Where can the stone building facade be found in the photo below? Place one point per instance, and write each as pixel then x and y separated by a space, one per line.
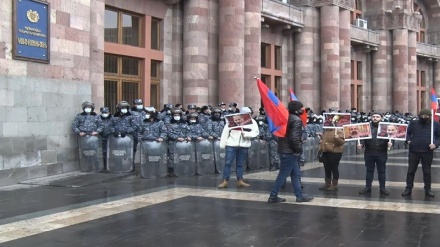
pixel 368 54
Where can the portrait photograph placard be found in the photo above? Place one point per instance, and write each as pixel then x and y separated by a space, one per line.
pixel 393 131
pixel 336 120
pixel 239 120
pixel 357 131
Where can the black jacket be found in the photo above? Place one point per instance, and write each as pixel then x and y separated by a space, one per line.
pixel 375 145
pixel 292 141
pixel 419 136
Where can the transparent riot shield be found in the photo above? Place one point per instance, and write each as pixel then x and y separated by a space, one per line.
pixel 153 159
pixel 205 157
pixel 184 159
pixel 264 154
pixel 253 159
pixel 120 154
pixel 90 153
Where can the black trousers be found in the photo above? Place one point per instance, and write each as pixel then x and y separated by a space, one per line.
pixel 331 164
pixel 413 162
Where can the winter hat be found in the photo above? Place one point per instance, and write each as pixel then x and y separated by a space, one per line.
pixel 245 110
pixel 425 112
pixel 295 107
pixel 377 113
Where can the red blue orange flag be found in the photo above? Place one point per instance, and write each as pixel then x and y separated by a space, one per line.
pixel 304 115
pixel 434 104
pixel 277 114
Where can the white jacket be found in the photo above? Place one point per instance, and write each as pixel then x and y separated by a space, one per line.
pixel 237 138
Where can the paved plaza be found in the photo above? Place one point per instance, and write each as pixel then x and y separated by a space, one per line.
pixel 125 210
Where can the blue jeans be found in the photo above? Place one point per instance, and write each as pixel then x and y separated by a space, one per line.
pixel 371 161
pixel 238 154
pixel 288 167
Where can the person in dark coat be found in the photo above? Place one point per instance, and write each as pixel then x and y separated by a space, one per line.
pixel 421 149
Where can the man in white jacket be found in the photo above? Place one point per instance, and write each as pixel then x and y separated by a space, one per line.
pixel 237 141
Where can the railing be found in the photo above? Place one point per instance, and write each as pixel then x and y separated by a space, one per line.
pixel 365 36
pixel 283 12
pixel 428 50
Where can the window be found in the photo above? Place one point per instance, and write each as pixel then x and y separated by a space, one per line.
pixel 278 58
pixel 265 55
pixel 155 34
pixel 121 80
pixel 122 28
pixel 155 84
pixel 356 84
pixel 421 90
pixel 357 12
pixel 422 31
pixel 277 90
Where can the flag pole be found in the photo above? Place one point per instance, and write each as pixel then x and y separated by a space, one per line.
pixel 432 126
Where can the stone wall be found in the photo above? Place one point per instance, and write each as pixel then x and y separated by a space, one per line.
pixel 39 101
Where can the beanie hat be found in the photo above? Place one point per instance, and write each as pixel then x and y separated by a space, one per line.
pixel 295 106
pixel 245 110
pixel 425 112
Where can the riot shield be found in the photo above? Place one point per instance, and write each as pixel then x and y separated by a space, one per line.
pixel 264 154
pixel 184 159
pixel 120 154
pixel 219 156
pixel 153 159
pixel 90 153
pixel 205 157
pixel 253 158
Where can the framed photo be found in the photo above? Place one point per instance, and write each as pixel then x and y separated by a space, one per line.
pixel 238 120
pixel 357 131
pixel 336 120
pixel 393 131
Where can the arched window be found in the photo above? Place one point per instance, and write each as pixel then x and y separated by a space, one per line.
pixel 357 12
pixel 422 31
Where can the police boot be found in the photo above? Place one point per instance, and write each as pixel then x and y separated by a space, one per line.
pixel 240 183
pixel 223 185
pixel 326 185
pixel 333 186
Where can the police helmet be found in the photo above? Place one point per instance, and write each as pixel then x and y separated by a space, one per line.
pixel 89 104
pixel 138 101
pixel 104 109
pixel 123 104
pixel 176 111
pixel 192 107
pixel 168 106
pixel 216 110
pixel 193 115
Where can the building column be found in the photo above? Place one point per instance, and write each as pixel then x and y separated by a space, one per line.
pixel 96 75
pixel 252 52
pixel 213 52
pixel 303 83
pixel 380 98
pixel 345 59
pixel 231 51
pixel 412 73
pixel 195 52
pixel 330 67
pixel 400 70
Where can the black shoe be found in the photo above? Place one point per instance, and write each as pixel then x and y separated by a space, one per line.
pixel 302 163
pixel 429 193
pixel 304 199
pixel 276 199
pixel 407 192
pixel 384 192
pixel 364 191
pixel 272 168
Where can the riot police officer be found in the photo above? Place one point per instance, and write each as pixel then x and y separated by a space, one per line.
pixel 177 132
pixel 152 129
pixel 106 119
pixel 165 113
pixel 217 122
pixel 87 122
pixel 195 129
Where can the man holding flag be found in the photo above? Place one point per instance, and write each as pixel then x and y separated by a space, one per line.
pixel 423 136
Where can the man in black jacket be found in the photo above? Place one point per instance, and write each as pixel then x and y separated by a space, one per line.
pixel 421 149
pixel 289 150
pixel 375 155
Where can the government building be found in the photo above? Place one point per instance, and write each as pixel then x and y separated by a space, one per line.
pixel 366 54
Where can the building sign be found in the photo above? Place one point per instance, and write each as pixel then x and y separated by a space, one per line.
pixel 31 30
